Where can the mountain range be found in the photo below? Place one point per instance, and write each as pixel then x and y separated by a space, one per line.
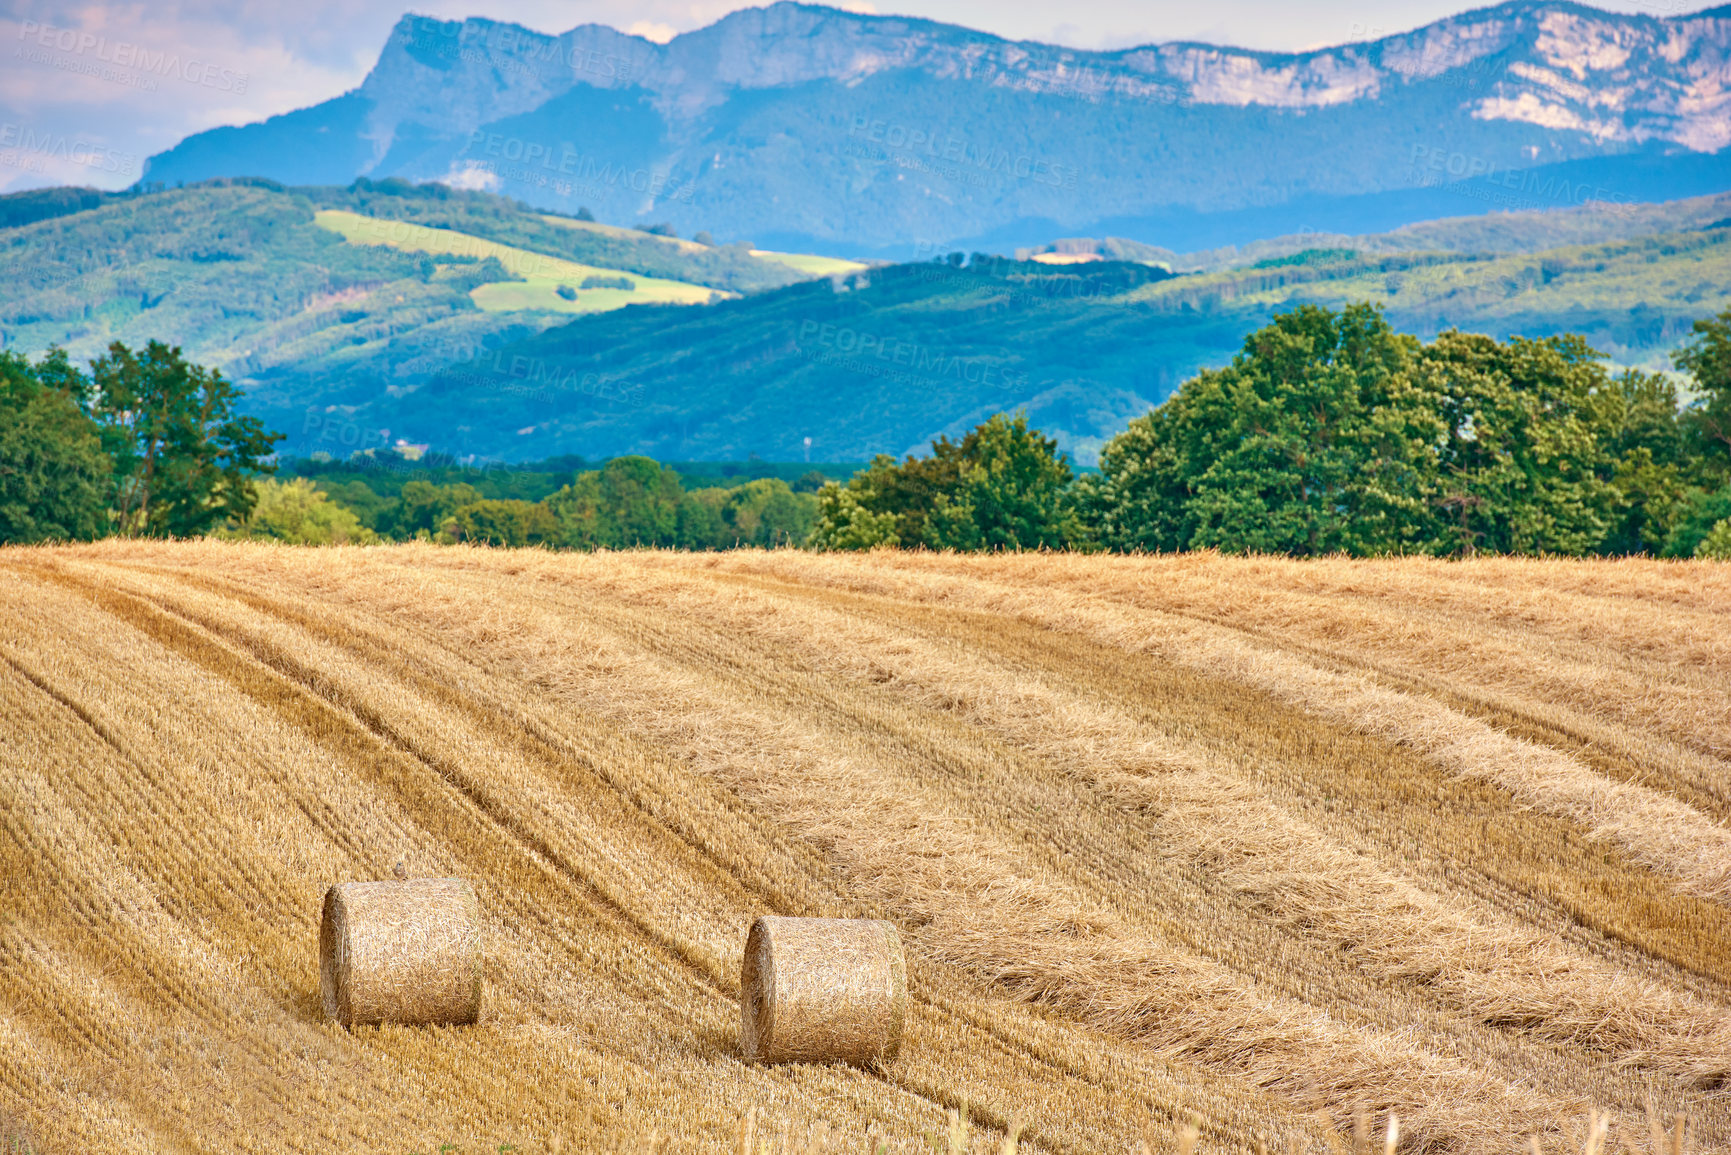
pixel 797 126
pixel 412 262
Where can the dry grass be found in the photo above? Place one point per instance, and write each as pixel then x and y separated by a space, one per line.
pixel 1253 846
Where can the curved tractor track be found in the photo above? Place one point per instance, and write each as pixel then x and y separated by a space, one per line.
pixel 1261 844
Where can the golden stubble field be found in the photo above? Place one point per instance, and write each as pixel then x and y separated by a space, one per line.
pixel 1268 842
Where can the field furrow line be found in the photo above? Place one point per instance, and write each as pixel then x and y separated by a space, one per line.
pixel 1569 999
pixel 1067 954
pixel 472 689
pixel 1667 835
pixel 1688 933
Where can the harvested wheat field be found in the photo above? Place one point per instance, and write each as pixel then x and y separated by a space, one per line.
pixel 1260 843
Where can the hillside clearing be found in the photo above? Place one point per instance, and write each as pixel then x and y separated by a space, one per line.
pixel 541 274
pixel 811 264
pixel 1269 841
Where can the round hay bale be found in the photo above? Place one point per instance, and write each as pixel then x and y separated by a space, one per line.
pixel 821 990
pixel 401 952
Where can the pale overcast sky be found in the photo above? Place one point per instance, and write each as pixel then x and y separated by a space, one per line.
pixel 263 57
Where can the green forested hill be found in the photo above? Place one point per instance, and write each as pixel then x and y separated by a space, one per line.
pixel 880 361
pixel 883 361
pixel 347 346
pixel 731 267
pixel 1633 300
pixel 1500 232
pixel 240 275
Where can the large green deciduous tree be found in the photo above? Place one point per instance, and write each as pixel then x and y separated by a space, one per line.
pixel 1003 486
pixel 1331 433
pixel 297 513
pixel 508 522
pixel 1524 464
pixel 767 512
pixel 182 458
pixel 422 509
pixel 54 477
pixel 1314 440
pixel 1645 447
pixel 1707 359
pixel 845 523
pixel 1716 546
pixel 630 501
pixel 1010 492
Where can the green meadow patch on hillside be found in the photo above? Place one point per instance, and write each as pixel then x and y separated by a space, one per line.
pixel 538 276
pixel 810 265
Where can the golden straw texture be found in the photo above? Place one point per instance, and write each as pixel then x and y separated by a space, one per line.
pixel 1250 845
pixel 401 952
pixel 821 990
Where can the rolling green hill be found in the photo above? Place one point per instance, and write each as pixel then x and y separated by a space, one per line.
pixel 455 333
pixel 241 277
pixel 244 276
pixel 731 268
pixel 1501 232
pixel 1633 300
pixel 884 360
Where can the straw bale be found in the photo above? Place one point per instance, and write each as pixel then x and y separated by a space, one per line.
pixel 822 989
pixel 401 952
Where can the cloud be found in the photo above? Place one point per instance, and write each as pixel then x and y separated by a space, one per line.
pixel 117 83
pixel 472 176
pixel 652 31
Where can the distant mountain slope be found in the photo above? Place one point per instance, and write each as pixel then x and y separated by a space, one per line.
pixel 1633 300
pixel 1503 232
pixel 884 361
pixel 796 125
pixel 241 277
pixel 240 274
pixel 734 268
pixel 541 281
pixel 347 346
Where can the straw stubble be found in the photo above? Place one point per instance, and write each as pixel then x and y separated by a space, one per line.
pixel 1133 885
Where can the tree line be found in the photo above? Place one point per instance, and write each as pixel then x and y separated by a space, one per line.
pixel 1328 433
pixel 628 502
pixel 144 443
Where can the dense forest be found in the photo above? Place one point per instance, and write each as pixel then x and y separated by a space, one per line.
pixel 1328 433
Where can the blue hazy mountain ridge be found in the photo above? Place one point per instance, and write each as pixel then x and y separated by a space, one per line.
pixel 806 127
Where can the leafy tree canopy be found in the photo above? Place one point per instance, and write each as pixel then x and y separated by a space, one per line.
pixel 297 513
pixel 1707 359
pixel 182 457
pixel 54 475
pixel 1003 486
pixel 1331 433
